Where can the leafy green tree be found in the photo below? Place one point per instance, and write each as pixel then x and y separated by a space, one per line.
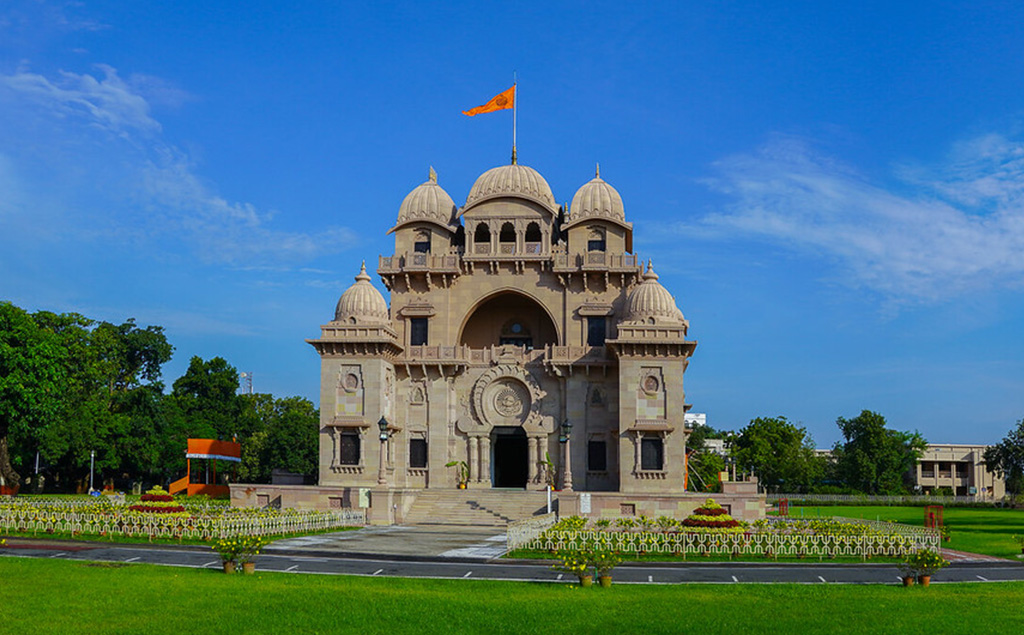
pixel 207 396
pixel 704 464
pixel 1007 459
pixel 780 453
pixel 875 459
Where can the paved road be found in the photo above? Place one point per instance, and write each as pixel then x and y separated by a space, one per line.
pixel 313 562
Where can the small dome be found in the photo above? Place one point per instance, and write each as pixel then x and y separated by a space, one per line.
pixel 362 303
pixel 597 199
pixel 428 202
pixel 651 301
pixel 512 180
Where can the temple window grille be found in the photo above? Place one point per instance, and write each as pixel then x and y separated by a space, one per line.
pixel 417 453
pixel 652 454
pixel 596 330
pixel 422 242
pixel 350 448
pixel 417 331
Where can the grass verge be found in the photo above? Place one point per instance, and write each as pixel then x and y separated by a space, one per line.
pixel 53 596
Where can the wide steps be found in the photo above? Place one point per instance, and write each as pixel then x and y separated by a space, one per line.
pixel 484 507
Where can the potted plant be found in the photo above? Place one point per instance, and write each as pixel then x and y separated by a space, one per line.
pixel 908 574
pixel 461 472
pixel 250 548
pixel 576 563
pixel 604 561
pixel 228 549
pixel 925 562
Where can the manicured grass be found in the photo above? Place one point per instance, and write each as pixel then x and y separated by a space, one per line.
pixel 974 529
pixel 54 596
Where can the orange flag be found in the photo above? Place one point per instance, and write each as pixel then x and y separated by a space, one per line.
pixel 502 101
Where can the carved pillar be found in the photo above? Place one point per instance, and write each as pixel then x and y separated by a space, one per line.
pixel 636 452
pixel 566 465
pixel 485 459
pixel 541 458
pixel 531 454
pixel 382 473
pixel 474 459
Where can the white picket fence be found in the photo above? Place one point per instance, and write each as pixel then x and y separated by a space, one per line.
pixel 783 539
pixel 211 527
pixel 522 532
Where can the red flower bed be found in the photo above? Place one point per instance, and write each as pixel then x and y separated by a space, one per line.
pixel 709 511
pixel 710 524
pixel 152 509
pixel 157 498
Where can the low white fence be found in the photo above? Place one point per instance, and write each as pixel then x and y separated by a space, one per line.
pixel 521 532
pixel 883 500
pixel 35 521
pixel 787 539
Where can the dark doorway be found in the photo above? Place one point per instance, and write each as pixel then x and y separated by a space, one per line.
pixel 510 461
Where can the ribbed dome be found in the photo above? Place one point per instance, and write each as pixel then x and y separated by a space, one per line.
pixel 362 303
pixel 651 300
pixel 428 202
pixel 512 180
pixel 597 199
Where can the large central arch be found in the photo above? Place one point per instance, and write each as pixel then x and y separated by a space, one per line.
pixel 509 316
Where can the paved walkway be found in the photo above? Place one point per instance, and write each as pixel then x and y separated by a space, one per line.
pixel 416 541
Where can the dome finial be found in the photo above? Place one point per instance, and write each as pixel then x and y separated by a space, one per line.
pixel 362 273
pixel 433 175
pixel 650 275
pixel 514 155
pixel 597 171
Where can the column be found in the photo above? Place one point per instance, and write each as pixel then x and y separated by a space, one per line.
pixel 474 459
pixel 531 453
pixel 566 465
pixel 541 459
pixel 382 473
pixel 485 459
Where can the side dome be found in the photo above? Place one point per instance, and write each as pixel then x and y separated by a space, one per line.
pixel 362 303
pixel 511 180
pixel 597 199
pixel 650 301
pixel 428 202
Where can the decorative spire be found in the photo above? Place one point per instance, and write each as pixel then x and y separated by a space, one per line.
pixel 513 155
pixel 433 175
pixel 650 275
pixel 597 171
pixel 363 276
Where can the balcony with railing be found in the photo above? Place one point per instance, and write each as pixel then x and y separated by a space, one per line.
pixel 417 262
pixel 508 251
pixel 595 261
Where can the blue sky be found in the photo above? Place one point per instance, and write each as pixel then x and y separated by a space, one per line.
pixel 834 192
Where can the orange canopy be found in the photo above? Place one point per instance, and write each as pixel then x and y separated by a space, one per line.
pixel 213 449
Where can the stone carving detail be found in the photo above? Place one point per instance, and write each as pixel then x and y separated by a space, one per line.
pixel 507 395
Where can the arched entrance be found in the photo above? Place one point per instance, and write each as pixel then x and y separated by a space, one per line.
pixel 510 457
pixel 509 317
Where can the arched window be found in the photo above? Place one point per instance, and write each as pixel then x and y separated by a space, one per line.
pixel 596 242
pixel 508 233
pixel 533 238
pixel 482 239
pixel 421 242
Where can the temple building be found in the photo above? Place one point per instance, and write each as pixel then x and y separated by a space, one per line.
pixel 525 345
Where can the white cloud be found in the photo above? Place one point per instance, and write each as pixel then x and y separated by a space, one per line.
pixel 960 227
pixel 95 139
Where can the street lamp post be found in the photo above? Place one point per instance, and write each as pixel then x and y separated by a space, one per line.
pixel 382 473
pixel 92 467
pixel 566 466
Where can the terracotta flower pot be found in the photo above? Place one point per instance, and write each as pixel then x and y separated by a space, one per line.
pixel 462 486
pixel 605 580
pixel 586 580
pixel 908 580
pixel 924 580
pixel 229 567
pixel 248 568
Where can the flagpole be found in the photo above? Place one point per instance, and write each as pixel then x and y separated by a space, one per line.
pixel 515 106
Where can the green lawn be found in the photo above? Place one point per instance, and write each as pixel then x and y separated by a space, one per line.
pixel 974 529
pixel 54 596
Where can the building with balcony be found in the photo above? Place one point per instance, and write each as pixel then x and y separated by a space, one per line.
pixel 958 468
pixel 523 341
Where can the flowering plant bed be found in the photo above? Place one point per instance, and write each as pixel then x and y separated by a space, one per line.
pixel 205 523
pixel 764 539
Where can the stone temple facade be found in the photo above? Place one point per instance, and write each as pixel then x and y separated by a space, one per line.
pixel 522 338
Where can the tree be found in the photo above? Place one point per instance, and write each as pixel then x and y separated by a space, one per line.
pixel 704 464
pixel 875 459
pixel 1007 459
pixel 37 371
pixel 780 453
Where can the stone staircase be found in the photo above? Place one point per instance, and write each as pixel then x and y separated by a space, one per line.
pixel 482 507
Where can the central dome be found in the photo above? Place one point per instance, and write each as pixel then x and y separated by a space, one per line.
pixel 512 180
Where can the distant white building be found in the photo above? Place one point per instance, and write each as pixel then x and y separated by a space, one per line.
pixel 694 419
pixel 959 467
